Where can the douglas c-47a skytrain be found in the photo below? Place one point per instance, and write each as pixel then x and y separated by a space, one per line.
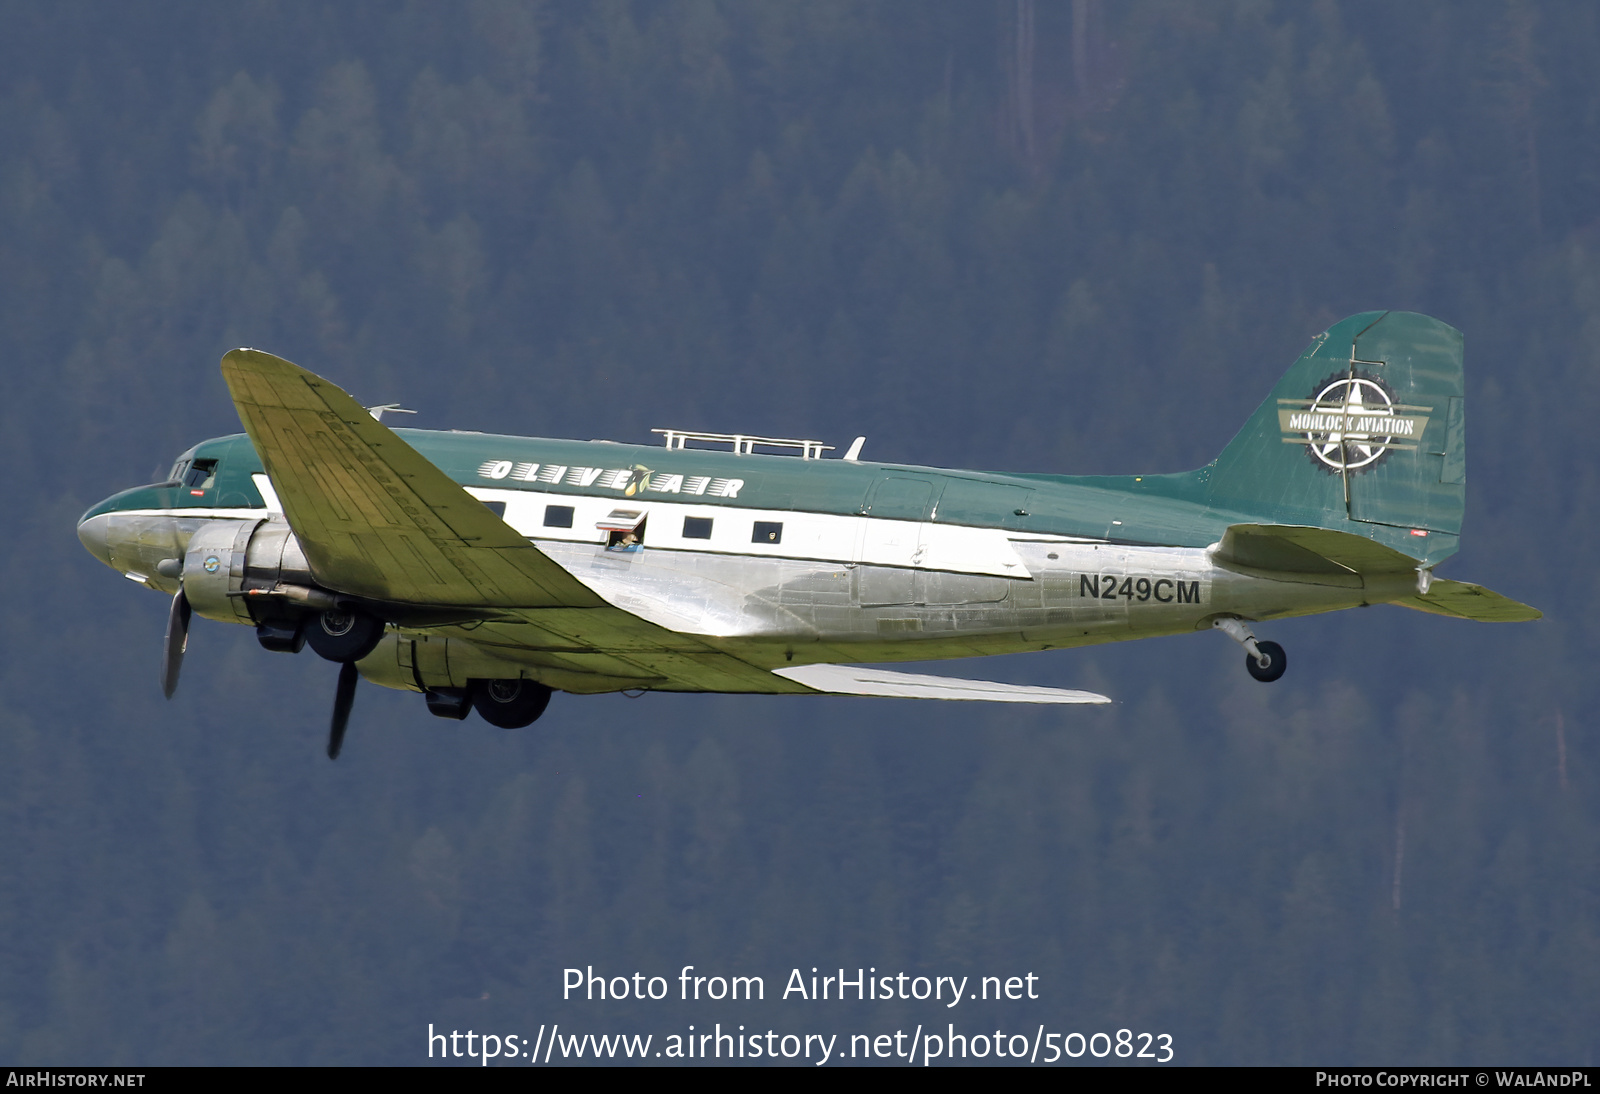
pixel 487 572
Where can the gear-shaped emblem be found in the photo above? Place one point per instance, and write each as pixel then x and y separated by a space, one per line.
pixel 1356 416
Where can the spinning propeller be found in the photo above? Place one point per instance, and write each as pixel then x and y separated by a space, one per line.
pixel 343 697
pixel 177 643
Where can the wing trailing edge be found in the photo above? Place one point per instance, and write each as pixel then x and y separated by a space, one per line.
pixel 856 680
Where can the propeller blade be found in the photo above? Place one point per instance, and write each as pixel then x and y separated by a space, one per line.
pixel 343 698
pixel 177 642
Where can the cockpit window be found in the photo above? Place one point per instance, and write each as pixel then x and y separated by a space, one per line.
pixel 177 472
pixel 201 475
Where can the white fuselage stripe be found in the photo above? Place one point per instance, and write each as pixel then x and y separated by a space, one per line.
pixel 820 537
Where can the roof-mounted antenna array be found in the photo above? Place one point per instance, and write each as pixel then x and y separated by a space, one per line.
pixel 744 443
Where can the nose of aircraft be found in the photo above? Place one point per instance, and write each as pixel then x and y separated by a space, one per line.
pixel 132 533
pixel 93 533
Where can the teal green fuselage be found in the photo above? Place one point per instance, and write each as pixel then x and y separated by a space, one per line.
pixel 1169 510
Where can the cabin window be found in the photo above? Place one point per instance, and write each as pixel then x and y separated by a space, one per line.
pixel 558 516
pixel 767 531
pixel 696 527
pixel 498 508
pixel 624 529
pixel 630 539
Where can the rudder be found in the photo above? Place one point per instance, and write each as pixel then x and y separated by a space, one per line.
pixel 1365 433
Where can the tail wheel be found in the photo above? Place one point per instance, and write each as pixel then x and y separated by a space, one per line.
pixel 1276 660
pixel 510 704
pixel 343 634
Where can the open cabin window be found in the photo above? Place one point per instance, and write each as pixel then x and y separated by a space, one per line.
pixel 624 529
pixel 767 531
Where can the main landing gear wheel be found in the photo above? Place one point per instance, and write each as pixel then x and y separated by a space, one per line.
pixel 343 634
pixel 1276 661
pixel 510 704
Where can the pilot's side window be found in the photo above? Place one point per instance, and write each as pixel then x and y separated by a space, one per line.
pixel 202 475
pixel 696 527
pixel 558 516
pixel 767 531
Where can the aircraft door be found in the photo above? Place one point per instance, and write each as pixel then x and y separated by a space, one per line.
pixel 890 545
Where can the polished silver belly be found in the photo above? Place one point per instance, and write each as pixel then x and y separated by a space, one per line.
pixel 1076 594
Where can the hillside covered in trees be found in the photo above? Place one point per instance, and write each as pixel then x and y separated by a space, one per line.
pixel 1071 237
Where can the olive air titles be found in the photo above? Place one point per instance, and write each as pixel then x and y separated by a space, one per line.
pixel 488 572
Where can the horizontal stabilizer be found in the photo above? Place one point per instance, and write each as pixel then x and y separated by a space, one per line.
pixel 855 680
pixel 1464 601
pixel 1291 548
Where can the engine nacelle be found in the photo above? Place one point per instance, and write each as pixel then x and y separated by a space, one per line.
pixel 420 662
pixel 274 555
pixel 214 566
pixel 232 566
pixel 254 572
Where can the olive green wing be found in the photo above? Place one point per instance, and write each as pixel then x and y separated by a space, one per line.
pixel 375 518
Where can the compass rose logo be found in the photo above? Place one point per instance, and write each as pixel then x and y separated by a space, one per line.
pixel 1351 423
pixel 1363 436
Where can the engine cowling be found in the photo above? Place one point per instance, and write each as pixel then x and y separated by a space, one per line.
pixel 238 571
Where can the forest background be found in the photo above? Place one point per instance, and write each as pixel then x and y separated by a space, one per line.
pixel 1077 237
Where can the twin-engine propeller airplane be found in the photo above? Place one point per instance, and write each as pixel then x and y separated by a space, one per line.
pixel 487 571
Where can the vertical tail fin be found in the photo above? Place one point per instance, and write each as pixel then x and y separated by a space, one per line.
pixel 1365 434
